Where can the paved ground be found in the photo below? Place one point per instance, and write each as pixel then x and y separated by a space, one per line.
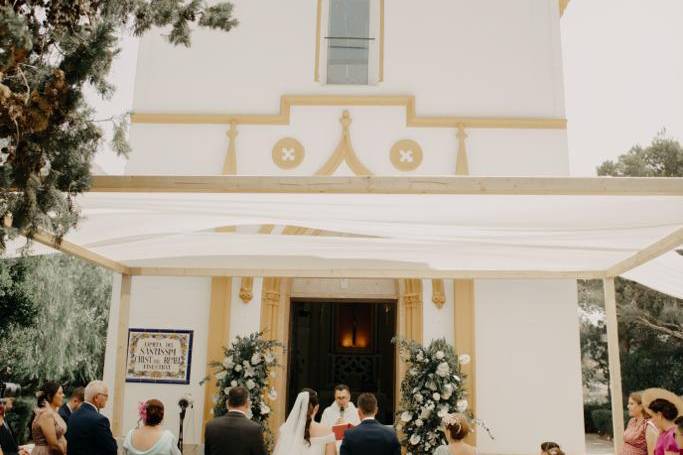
pixel 598 446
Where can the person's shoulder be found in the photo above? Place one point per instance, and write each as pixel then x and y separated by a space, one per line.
pixel 319 430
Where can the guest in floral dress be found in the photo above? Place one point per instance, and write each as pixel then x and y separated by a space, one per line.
pixel 48 428
pixel 664 407
pixel 635 439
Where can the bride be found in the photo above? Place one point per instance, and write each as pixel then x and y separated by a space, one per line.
pixel 300 434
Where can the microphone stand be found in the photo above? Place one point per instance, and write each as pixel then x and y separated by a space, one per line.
pixel 183 403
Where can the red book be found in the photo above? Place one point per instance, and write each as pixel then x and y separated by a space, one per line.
pixel 339 430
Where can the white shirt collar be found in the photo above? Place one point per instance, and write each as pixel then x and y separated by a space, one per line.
pixel 94 407
pixel 368 418
pixel 237 410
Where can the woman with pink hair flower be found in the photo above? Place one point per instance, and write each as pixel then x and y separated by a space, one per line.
pixel 149 438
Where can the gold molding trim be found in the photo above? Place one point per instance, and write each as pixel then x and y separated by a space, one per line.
pixel 412 303
pixel 438 293
pixel 412 120
pixel 563 6
pixel 247 289
pixel 381 41
pixel 461 163
pixel 464 316
pixel 318 20
pixel 218 336
pixel 230 163
pixel 292 148
pixel 344 152
pixel 406 155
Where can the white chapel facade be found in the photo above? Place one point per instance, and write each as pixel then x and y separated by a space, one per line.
pixel 367 87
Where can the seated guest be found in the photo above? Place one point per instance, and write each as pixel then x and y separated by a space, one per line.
pixel 48 428
pixel 663 407
pixel 456 428
pixel 341 410
pixel 150 438
pixel 77 397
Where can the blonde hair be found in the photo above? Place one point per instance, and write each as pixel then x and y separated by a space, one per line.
pixel 638 398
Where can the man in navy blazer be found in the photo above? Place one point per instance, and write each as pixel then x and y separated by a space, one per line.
pixel 88 431
pixel 370 437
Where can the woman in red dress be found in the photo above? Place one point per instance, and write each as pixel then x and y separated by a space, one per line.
pixel 635 442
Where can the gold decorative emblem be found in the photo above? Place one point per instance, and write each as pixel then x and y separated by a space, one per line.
pixel 288 153
pixel 406 155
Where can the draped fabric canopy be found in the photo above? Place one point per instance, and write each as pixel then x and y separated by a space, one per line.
pixel 400 234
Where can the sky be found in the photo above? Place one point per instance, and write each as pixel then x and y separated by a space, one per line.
pixel 623 66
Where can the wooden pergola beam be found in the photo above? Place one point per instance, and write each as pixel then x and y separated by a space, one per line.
pixel 76 250
pixel 647 254
pixel 540 186
pixel 366 273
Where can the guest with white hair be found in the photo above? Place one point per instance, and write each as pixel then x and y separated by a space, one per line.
pixel 89 431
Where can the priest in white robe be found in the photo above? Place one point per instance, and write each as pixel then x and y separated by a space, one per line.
pixel 341 410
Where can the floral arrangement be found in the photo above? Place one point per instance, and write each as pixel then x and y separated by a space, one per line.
pixel 249 361
pixel 142 412
pixel 432 389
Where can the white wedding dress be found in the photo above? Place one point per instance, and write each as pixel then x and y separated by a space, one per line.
pixel 291 437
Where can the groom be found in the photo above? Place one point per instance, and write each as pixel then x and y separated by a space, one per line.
pixel 370 437
pixel 234 433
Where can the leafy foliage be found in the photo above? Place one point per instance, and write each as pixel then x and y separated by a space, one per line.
pixel 662 158
pixel 17 305
pixel 432 388
pixel 51 51
pixel 67 341
pixel 249 361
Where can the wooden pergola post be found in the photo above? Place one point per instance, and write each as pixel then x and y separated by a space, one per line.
pixel 614 363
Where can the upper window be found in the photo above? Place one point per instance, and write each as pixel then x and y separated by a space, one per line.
pixel 348 42
pixel 350 48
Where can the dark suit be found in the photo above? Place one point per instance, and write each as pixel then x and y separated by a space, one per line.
pixel 88 433
pixel 370 437
pixel 233 434
pixel 64 412
pixel 7 442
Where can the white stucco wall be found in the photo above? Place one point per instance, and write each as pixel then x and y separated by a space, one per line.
pixel 168 303
pixel 528 365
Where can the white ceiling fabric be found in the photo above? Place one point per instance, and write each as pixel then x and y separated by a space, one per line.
pixel 402 231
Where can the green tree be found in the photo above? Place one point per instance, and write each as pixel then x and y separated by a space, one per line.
pixel 51 51
pixel 662 158
pixel 17 305
pixel 68 340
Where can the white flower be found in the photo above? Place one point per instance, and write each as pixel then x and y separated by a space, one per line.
pixel 249 372
pixel 426 411
pixel 457 378
pixel 420 356
pixel 406 416
pixel 221 374
pixel 443 369
pixel 427 445
pixel 419 423
pixel 250 384
pixel 461 405
pixel 439 355
pixel 415 439
pixel 245 363
pixel 238 367
pixel 447 391
pixel 227 363
pixel 419 398
pixel 270 358
pixel 264 408
pixel 227 390
pixel 436 396
pixel 442 412
pixel 464 359
pixel 413 371
pixel 431 385
pixel 256 358
pixel 233 383
pixel 272 394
